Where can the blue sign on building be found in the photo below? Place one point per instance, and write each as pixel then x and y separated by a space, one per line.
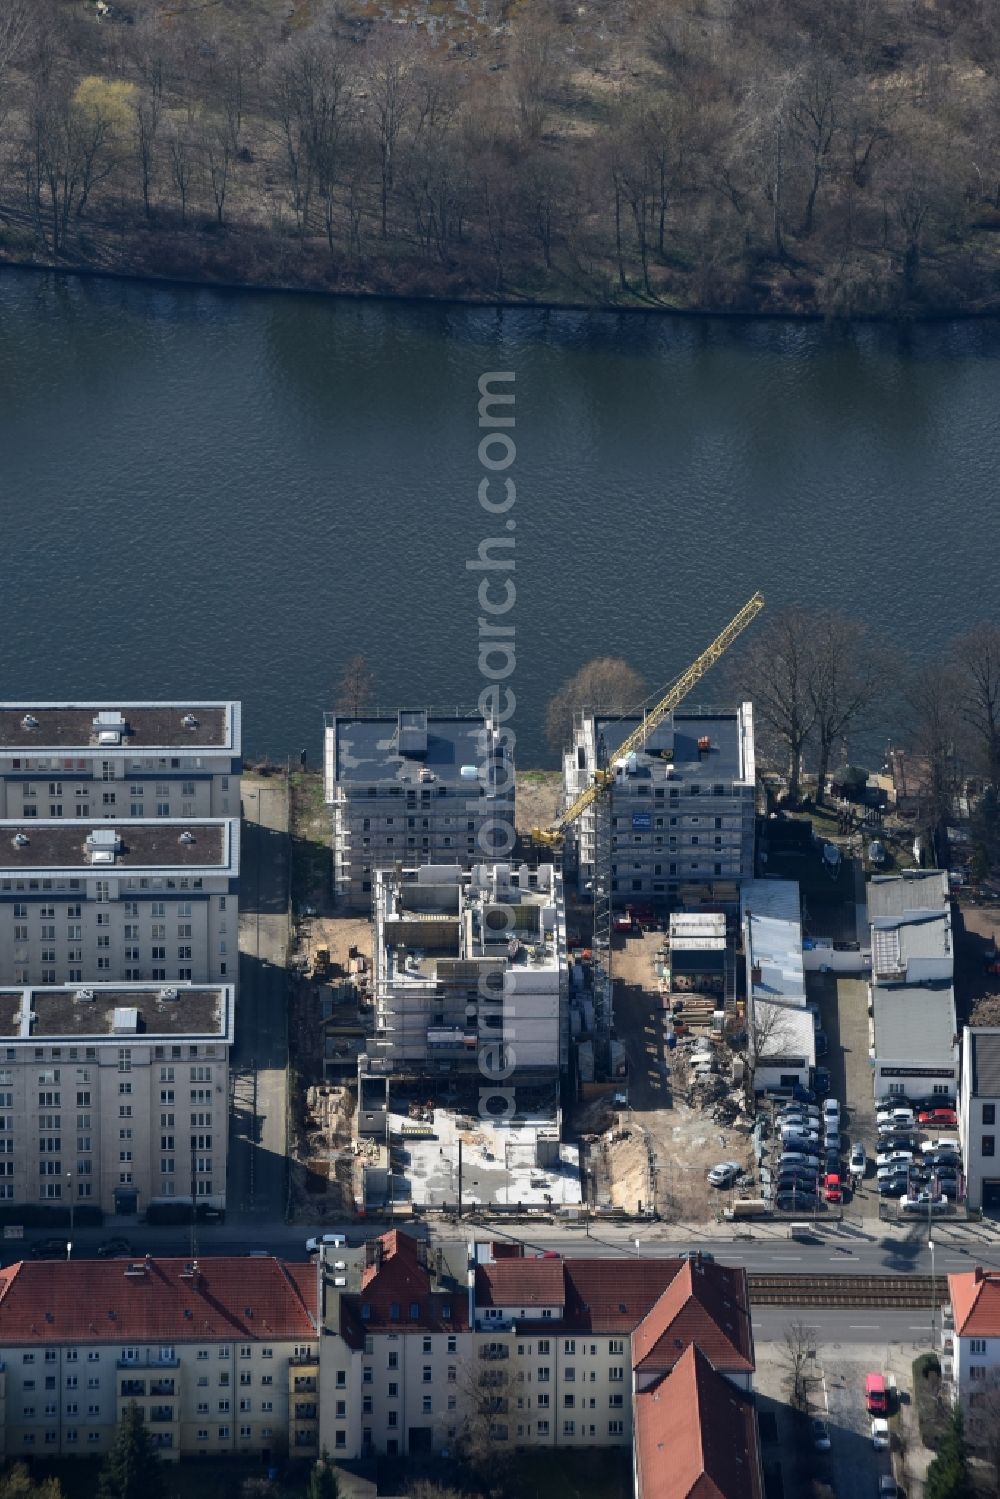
pixel 642 822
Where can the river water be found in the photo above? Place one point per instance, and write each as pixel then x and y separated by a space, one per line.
pixel 228 493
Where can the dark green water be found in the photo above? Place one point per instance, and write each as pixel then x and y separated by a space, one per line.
pixel 229 493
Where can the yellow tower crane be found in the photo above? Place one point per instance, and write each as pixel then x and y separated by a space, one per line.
pixel 553 837
pixel 598 794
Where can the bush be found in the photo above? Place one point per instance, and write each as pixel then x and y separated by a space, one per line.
pixel 932 1414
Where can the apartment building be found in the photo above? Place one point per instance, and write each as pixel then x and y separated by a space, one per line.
pixel 415 787
pixel 420 1342
pixel 150 899
pixel 978 1113
pixel 114 1096
pixel 911 993
pixel 682 808
pixel 466 961
pixel 135 760
pixel 220 1355
pixel 970 1338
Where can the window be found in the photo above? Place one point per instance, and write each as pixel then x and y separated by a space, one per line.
pixel 989 1113
pixel 977 1371
pixel 615 1428
pixel 989 1144
pixel 569 1401
pixel 977 1345
pixel 569 1428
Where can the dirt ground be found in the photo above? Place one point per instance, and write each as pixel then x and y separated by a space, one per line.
pixel 539 799
pixel 661 1146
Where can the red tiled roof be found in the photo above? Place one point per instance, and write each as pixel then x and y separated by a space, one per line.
pixel 975 1303
pixel 520 1283
pixel 95 1301
pixel 396 1278
pixel 696 1436
pixel 611 1296
pixel 706 1304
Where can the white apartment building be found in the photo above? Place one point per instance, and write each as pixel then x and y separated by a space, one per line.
pixel 781 1031
pixel 135 760
pixel 467 961
pixel 153 899
pixel 419 1341
pixel 114 1096
pixel 415 787
pixel 218 1354
pixel 970 1339
pixel 682 808
pixel 978 1114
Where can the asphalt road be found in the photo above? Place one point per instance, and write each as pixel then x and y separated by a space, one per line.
pixel 849 1326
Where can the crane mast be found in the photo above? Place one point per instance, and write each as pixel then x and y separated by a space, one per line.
pixel 598 794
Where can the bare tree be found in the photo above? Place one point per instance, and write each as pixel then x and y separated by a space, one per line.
pixel 356 688
pixel 774 668
pixel 977 664
pixel 390 88
pixel 770 1032
pixel 798 1353
pixel 147 127
pixel 607 684
pixel 182 157
pixel 844 678
pixel 532 66
pixel 932 710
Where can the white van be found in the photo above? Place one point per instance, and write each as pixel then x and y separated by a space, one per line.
pixel 313 1246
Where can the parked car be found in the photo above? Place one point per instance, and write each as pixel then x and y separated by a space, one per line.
pixel 831 1106
pixel 893 1186
pixel 897 1139
pixel 859 1161
pixel 945 1118
pixel 888 1487
pixel 313 1246
pixel 942 1158
pixel 799 1158
pixel 895 1117
pixel 880 1434
pixel 876 1395
pixel 821 1081
pixel 943 1143
pixel 833 1189
pixel 877 854
pixel 695 1254
pixel 724 1174
pixel 795 1202
pixel 821 1043
pixel 814 1012
pixel 800 1132
pixel 113 1247
pixel 48 1249
pixel 820 1435
pixel 893 1158
pixel 802 1094
pixel 923 1202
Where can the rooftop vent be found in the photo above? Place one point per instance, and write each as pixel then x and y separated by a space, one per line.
pixel 135 1269
pixel 189 721
pixel 411 731
pixel 29 721
pixel 168 994
pixel 340 1280
pixel 85 996
pixel 103 844
pixel 186 837
pixel 109 725
pixel 21 840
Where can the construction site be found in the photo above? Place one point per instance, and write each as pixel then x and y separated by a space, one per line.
pixel 482 1041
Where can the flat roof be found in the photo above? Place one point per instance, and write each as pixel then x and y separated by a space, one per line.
pixel 773 937
pixel 984 1059
pixel 681 731
pixel 498 1162
pixel 367 749
pixel 61 843
pixel 210 725
pixel 914 1020
pixel 784 1029
pixel 52 1011
pixel 911 890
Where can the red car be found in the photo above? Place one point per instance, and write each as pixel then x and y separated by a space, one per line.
pixel 834 1191
pixel 938 1116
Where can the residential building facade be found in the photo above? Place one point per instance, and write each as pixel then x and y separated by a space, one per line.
pixel 420 1345
pixel 682 808
pixel 128 902
pixel 782 1038
pixel 130 760
pixel 114 1096
pixel 415 787
pixel 219 1355
pixel 970 1345
pixel 978 1115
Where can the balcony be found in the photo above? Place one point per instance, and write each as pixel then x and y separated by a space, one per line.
pixel 304 1361
pixel 150 1360
pixel 494 1351
pixel 162 1387
pixel 161 1415
pixel 304 1385
pixel 133 1389
pixel 305 1411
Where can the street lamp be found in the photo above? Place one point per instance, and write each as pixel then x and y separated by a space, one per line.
pixel 69 1193
pixel 930 1246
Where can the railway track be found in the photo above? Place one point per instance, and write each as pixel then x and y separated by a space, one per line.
pixel 848 1290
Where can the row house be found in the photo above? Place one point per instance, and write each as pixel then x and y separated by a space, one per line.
pixel 219 1355
pixel 127 760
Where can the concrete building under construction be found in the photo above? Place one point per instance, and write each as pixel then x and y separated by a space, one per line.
pixel 414 787
pixel 464 962
pixel 682 808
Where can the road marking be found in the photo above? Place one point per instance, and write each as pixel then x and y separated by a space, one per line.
pixel 864 1326
pixel 787 1259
